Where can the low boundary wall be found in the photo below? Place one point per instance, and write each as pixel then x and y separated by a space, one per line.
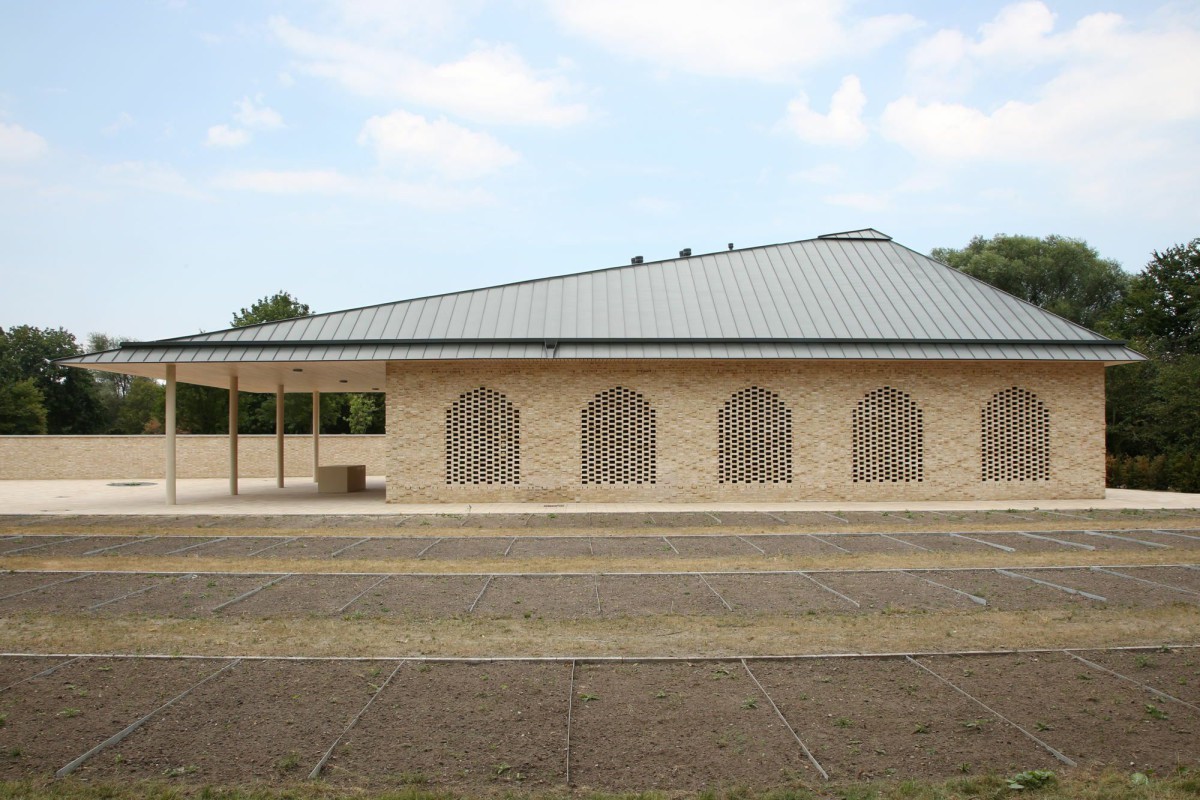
pixel 121 457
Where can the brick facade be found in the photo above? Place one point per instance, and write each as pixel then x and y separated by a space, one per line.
pixel 929 420
pixel 124 457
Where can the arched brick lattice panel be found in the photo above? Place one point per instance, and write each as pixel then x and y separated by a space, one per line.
pixel 483 439
pixel 1015 437
pixel 754 438
pixel 888 438
pixel 619 438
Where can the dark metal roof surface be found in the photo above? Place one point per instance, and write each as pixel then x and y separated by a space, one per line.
pixel 855 294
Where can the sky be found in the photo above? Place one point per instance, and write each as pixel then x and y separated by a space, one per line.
pixel 164 163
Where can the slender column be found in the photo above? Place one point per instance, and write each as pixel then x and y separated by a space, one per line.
pixel 233 434
pixel 316 433
pixel 170 437
pixel 279 437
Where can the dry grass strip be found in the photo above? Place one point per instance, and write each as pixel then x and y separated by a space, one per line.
pixel 631 637
pixel 1134 555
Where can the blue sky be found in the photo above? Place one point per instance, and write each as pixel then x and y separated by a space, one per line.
pixel 163 164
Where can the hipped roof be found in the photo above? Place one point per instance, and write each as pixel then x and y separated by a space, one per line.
pixel 851 295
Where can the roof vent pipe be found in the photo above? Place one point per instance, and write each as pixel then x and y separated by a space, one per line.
pixel 635 260
pixel 685 252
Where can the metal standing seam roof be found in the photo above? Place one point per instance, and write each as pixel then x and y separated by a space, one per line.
pixel 852 295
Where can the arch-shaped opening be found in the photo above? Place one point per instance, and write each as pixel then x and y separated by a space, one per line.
pixel 1014 437
pixel 754 438
pixel 483 439
pixel 618 439
pixel 888 438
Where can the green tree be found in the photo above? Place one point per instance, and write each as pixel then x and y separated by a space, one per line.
pixel 1064 276
pixel 279 306
pixel 1162 310
pixel 1154 407
pixel 22 410
pixel 142 408
pixel 69 396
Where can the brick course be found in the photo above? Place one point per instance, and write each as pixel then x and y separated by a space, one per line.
pixel 122 457
pixel 686 395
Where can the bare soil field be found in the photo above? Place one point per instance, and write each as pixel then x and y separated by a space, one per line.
pixel 482 726
pixel 371 654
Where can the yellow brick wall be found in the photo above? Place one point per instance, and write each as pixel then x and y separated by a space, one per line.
pixel 123 457
pixel 686 395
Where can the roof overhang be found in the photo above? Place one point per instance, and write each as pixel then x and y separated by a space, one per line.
pixel 327 366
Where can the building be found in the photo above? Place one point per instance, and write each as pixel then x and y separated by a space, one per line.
pixel 845 367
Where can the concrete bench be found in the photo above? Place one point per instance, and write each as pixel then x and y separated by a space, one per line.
pixel 341 478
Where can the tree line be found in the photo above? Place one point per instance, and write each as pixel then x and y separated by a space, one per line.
pixel 37 396
pixel 1152 408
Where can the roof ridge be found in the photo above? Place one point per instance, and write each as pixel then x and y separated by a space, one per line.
pixel 523 282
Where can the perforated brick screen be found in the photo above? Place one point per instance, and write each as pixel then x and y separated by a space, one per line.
pixel 754 438
pixel 619 438
pixel 1015 437
pixel 888 438
pixel 483 439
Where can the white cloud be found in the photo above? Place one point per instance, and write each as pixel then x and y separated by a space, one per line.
pixel 843 125
pixel 753 38
pixel 225 136
pixel 412 141
pixel 491 84
pixel 123 121
pixel 20 144
pixel 150 176
pixel 1118 95
pixel 334 183
pixel 251 114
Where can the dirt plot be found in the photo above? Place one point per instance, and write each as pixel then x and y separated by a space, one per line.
pixel 303 596
pixel 54 719
pixel 541 597
pixel 1092 717
pixel 1025 544
pixel 60 546
pixel 712 546
pixel 1182 577
pixel 260 721
pixel 14 669
pixel 14 582
pixel 13 543
pixel 893 591
pixel 160 546
pixel 795 544
pixel 946 543
pixel 481 724
pixel 79 595
pixel 552 547
pixel 1004 593
pixel 421 596
pixel 646 595
pixel 186 595
pixel 476 547
pixel 875 719
pixel 866 543
pixel 633 547
pixel 309 547
pixel 678 726
pixel 1175 672
pixel 1114 589
pixel 384 549
pixel 234 547
pixel 779 593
